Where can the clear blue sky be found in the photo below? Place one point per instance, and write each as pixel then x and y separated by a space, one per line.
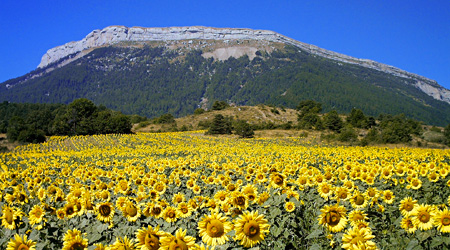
pixel 411 35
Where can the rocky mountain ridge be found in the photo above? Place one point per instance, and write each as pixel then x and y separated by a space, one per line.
pixel 115 34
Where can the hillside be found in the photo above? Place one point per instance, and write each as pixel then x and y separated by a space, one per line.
pixel 156 74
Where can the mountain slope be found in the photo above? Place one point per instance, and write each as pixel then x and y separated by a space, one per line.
pixel 175 71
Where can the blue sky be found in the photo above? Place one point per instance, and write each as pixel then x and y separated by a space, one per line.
pixel 411 35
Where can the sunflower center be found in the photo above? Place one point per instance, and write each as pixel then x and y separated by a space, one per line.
pixel 424 217
pixel 131 210
pixel 251 229
pixel 332 218
pixel 171 214
pixel 178 244
pixel 215 228
pixel 38 213
pixel 9 216
pixel 70 210
pixel 358 217
pixel 23 247
pixel 359 200
pixel 240 201
pixel 184 210
pixel 278 180
pixel 445 221
pixel 156 211
pixel 151 241
pixel 21 197
pixel 159 188
pixel 77 246
pixel 408 206
pixel 105 195
pixel 105 210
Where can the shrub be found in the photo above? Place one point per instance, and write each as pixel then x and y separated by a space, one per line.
pixel 243 129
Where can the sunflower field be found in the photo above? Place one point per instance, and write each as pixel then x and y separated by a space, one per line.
pixel 189 191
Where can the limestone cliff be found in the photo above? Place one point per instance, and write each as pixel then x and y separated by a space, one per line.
pixel 115 34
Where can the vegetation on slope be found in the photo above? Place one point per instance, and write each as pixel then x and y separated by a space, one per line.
pixel 151 81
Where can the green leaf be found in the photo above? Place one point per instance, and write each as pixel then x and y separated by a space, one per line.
pixel 94 237
pixel 437 241
pixel 315 246
pixel 422 236
pixel 276 231
pixel 412 244
pixel 275 212
pixel 315 234
pixel 446 240
pixel 102 227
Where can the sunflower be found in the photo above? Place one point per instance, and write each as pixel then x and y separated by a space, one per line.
pixel 105 211
pixel 75 243
pixel 170 214
pixel 214 228
pixel 178 198
pixel 408 224
pixel 221 197
pixel 21 243
pixel 356 216
pixel 179 241
pixel 341 193
pixel 70 210
pixel 263 197
pixel 388 196
pixel 60 213
pixel 251 228
pixel 415 183
pixel 10 216
pixel 358 238
pixel 156 211
pixel 239 200
pixel 160 187
pixel 148 238
pixel 131 211
pixel 278 180
pixel 71 234
pixel 325 190
pixel 359 200
pixel 289 206
pixel 424 217
pixel 99 246
pixel 442 220
pixel 333 217
pixel 36 215
pixel 407 206
pixel 184 210
pixel 123 243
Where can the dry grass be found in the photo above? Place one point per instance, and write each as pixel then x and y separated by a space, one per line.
pixel 5 143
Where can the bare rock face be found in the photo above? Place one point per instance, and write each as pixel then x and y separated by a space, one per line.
pixel 114 34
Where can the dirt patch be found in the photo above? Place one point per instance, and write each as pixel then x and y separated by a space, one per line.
pixel 235 51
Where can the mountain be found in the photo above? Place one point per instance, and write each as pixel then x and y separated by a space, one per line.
pixel 151 71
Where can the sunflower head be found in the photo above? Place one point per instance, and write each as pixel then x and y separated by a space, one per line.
pixel 333 217
pixel 21 243
pixel 251 228
pixel 149 238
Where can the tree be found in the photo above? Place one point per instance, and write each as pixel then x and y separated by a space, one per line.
pixel 243 129
pixel 447 134
pixel 199 111
pixel 332 121
pixel 220 125
pixel 165 119
pixel 219 105
pixel 309 106
pixel 357 118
